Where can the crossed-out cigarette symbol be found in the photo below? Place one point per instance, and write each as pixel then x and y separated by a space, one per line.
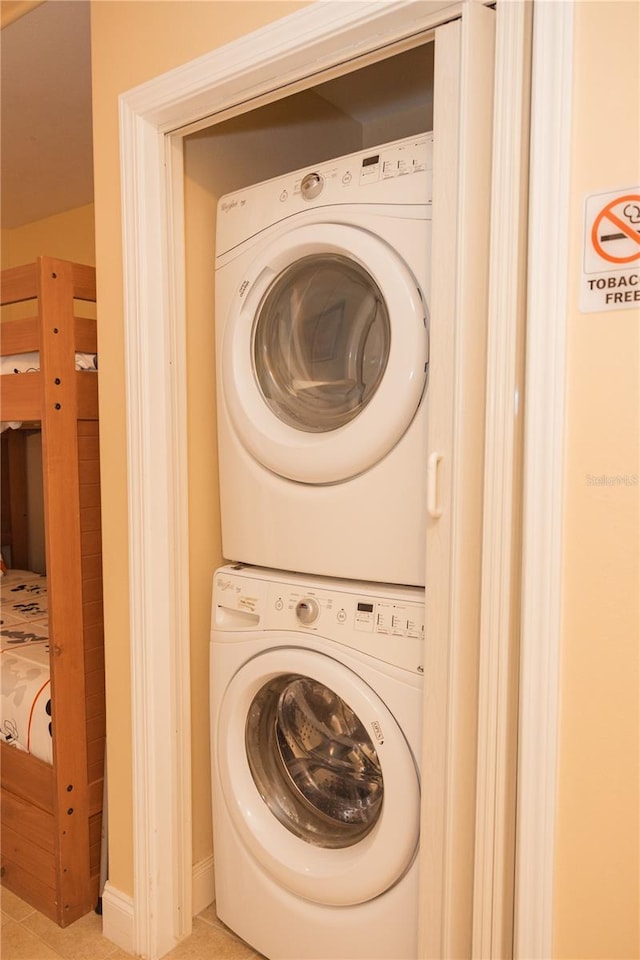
pixel 625 221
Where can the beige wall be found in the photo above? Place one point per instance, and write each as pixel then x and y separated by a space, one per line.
pixel 596 892
pixel 205 549
pixel 131 43
pixel 69 236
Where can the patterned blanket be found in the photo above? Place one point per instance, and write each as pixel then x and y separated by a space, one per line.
pixel 25 687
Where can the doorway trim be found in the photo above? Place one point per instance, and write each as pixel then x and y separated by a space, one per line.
pixel 153 119
pixel 544 464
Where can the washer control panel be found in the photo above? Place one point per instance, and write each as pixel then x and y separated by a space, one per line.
pixel 383 621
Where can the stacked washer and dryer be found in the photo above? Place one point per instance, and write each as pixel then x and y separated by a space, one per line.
pixel 322 285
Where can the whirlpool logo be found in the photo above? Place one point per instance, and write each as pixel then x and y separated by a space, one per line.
pixel 223 585
pixel 234 204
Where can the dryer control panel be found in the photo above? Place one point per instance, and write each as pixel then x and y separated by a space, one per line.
pixel 382 620
pixel 392 175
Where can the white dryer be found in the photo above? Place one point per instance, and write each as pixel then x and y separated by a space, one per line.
pixel 316 713
pixel 322 284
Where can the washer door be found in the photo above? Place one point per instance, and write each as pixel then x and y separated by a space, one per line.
pixel 325 353
pixel 318 778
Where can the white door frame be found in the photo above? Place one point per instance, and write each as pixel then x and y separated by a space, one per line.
pixel 502 511
pixel 543 470
pixel 153 118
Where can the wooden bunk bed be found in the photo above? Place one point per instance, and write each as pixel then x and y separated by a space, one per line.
pixel 51 812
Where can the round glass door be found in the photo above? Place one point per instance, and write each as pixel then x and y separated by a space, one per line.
pixel 321 342
pixel 317 777
pixel 324 353
pixel 313 762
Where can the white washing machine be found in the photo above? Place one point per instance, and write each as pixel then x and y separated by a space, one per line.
pixel 322 285
pixel 316 713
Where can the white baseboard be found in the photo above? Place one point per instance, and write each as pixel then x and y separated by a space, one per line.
pixel 117 907
pixel 202 886
pixel 117 918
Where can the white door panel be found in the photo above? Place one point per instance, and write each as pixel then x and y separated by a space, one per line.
pixel 463 105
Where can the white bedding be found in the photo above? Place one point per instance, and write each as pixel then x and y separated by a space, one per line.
pixel 30 362
pixel 25 685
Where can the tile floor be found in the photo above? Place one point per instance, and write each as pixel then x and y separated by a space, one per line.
pixel 28 935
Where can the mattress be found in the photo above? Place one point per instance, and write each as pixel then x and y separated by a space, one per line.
pixel 25 683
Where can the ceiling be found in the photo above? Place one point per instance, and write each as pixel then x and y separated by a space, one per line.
pixel 46 159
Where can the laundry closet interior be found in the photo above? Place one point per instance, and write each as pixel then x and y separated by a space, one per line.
pixel 359 107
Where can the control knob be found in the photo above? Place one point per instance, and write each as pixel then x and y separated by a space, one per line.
pixel 307 610
pixel 311 186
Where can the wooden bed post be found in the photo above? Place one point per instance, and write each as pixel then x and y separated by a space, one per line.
pixel 63 553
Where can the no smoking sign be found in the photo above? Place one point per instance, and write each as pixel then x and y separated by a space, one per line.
pixel 611 261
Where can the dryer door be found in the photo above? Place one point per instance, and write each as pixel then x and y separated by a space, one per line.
pixel 318 778
pixel 325 353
